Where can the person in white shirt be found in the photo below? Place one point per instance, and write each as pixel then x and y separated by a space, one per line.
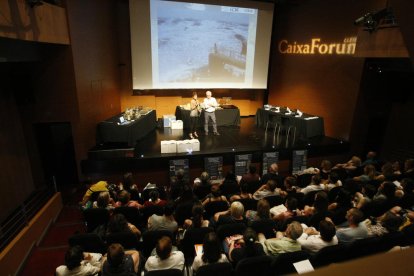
pixel 210 105
pixel 313 241
pixel 79 263
pixel 165 258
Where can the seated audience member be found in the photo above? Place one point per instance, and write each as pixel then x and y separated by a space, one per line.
pixel 356 229
pixel 104 200
pixel 212 252
pixel 124 200
pixel 408 169
pixel 407 199
pixel 319 210
pixel 164 222
pixel 233 215
pixel 128 184
pixel 120 262
pixel 333 181
pixel 385 199
pixel 325 170
pixel 165 257
pixel 289 186
pixel 272 174
pixel 177 184
pixel 371 159
pixel 80 263
pixel 202 185
pixel 244 193
pixel 387 173
pixel 118 224
pixel 341 204
pixel 268 189
pixel 215 195
pixel 312 241
pixel 245 248
pixel 263 211
pixel 229 186
pixel 315 185
pixel 100 186
pixel 283 242
pixel 389 222
pixel 251 177
pixel 197 220
pixel 155 199
pixel 291 205
pixel 369 174
pixel 396 169
pixel 351 166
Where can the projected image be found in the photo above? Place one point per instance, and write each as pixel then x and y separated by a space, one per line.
pixel 200 44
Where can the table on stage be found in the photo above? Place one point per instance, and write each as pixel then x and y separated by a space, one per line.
pixel 305 127
pixel 110 131
pixel 224 117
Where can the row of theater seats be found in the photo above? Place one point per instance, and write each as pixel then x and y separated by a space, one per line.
pixel 279 265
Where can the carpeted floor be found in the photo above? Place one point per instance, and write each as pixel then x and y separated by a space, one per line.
pixel 50 253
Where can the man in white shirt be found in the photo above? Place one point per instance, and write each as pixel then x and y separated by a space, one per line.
pixel 210 105
pixel 165 258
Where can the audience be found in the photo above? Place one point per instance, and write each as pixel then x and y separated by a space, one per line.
pixel 197 220
pixel 212 252
pixel 312 240
pixel 119 224
pixel 246 247
pixel 355 230
pixel 120 262
pixel 155 199
pixel 164 222
pixel 283 242
pixel 244 193
pixel 268 189
pixel 235 214
pixel 165 257
pixel 78 262
pixel 272 174
pixel 124 200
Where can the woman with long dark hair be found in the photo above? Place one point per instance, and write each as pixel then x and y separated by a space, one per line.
pixel 212 252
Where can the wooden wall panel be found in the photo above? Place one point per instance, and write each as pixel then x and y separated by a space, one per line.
pixel 44 23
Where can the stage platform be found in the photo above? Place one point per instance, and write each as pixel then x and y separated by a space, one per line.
pixel 247 138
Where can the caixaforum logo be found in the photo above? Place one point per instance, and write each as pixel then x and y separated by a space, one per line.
pixel 317 47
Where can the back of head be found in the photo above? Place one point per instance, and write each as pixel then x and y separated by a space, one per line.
pixel 272 184
pixel 115 254
pixel 388 189
pixel 164 247
pixel 236 209
pixel 294 230
pixel 356 161
pixel 169 209
pixel 73 257
pixel 123 197
pixel 274 168
pixel 211 248
pixel 128 180
pixel 291 203
pixel 356 216
pixel 263 209
pixel 391 221
pixel 244 187
pixel 326 165
pixel 230 176
pixel 154 195
pixel 103 199
pixel 334 177
pixel 215 190
pixel 321 201
pixel 290 181
pixel 316 179
pixel 327 230
pixel 249 237
pixel 204 177
pixel 252 169
pixel 198 212
pixel 117 223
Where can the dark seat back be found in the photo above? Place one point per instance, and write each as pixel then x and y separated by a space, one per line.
pixel 265 226
pixel 248 203
pixel 193 236
pixel 127 239
pixel 231 229
pixel 274 200
pixel 258 266
pixel 217 269
pixel 131 214
pixel 90 242
pixel 283 263
pixel 165 272
pixel 329 255
pixel 95 217
pixel 213 207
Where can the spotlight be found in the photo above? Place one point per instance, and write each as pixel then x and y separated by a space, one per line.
pixel 372 20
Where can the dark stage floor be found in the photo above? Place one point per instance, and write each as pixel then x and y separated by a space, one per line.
pixel 233 140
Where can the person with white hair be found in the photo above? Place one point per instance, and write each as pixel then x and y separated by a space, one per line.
pixel 210 105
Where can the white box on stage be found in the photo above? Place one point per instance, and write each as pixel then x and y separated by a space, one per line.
pixel 167 120
pixel 184 146
pixel 168 146
pixel 177 124
pixel 195 144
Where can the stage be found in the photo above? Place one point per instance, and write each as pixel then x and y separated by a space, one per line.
pixel 234 140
